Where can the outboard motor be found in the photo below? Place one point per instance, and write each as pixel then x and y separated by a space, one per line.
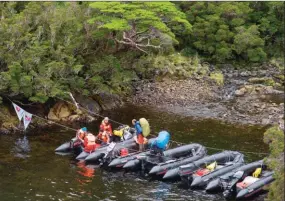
pixel 230 188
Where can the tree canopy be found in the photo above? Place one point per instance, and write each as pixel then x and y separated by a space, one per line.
pixel 140 25
pixel 50 48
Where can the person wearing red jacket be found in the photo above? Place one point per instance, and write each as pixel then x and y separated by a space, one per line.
pixel 103 137
pixel 90 143
pixel 106 126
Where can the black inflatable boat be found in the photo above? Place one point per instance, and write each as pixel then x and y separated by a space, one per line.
pixel 186 171
pixel 74 145
pixel 229 180
pixel 204 176
pixel 256 186
pixel 197 152
pixel 148 160
pixel 101 152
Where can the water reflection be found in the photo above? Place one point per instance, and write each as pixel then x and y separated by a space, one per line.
pixel 86 171
pixel 21 147
pixel 161 191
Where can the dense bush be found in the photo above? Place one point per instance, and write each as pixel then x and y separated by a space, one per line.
pixel 50 48
pixel 275 138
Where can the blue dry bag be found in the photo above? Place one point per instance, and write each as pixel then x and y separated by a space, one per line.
pixel 162 139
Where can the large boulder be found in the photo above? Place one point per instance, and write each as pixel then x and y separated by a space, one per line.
pixel 60 111
pixel 89 103
pixel 108 101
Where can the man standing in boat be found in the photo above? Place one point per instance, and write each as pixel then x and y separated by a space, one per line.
pixel 142 130
pixel 139 137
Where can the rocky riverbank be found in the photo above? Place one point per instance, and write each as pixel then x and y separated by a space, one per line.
pixel 251 97
pixel 58 111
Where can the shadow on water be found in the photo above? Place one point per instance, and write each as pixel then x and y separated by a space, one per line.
pixel 30 170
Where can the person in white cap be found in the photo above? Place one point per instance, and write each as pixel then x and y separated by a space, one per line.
pixel 107 127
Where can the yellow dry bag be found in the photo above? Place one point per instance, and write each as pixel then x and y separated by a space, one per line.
pixel 257 172
pixel 212 166
pixel 145 127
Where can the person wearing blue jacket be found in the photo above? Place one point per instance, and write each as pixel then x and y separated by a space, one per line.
pixel 139 137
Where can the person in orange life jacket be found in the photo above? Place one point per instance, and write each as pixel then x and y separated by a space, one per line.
pixel 81 134
pixel 107 127
pixel 139 138
pixel 90 143
pixel 103 137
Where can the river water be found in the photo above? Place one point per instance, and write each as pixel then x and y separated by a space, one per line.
pixel 30 170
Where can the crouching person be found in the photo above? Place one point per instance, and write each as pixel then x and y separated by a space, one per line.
pixel 160 143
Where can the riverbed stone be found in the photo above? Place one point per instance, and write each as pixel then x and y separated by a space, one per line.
pixel 240 92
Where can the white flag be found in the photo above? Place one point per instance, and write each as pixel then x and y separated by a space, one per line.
pixel 27 119
pixel 20 112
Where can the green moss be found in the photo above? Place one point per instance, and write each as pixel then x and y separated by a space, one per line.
pixel 6 119
pixel 280 77
pixel 264 80
pixel 278 62
pixel 218 77
pixel 175 66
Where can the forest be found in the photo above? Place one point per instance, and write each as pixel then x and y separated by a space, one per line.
pixel 48 48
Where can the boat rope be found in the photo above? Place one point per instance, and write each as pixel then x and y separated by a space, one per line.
pixel 171 141
pixel 96 114
pixel 67 127
pixel 121 124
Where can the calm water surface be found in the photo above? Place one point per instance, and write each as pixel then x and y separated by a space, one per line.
pixel 30 170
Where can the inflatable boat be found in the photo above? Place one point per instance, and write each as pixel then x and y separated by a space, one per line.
pixel 74 145
pixel 202 177
pixel 197 152
pixel 111 148
pixel 186 171
pixel 227 181
pixel 252 185
pixel 148 160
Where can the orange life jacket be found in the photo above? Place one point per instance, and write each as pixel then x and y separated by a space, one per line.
pixel 106 127
pixel 103 137
pixel 89 142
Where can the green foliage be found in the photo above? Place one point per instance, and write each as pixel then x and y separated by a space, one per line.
pixel 218 77
pixel 264 80
pixel 174 66
pixel 248 43
pixel 140 21
pixel 50 48
pixel 274 136
pixel 235 31
pixel 45 52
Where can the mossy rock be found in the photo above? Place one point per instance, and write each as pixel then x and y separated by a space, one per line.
pixel 218 77
pixel 7 120
pixel 264 80
pixel 249 88
pixel 280 77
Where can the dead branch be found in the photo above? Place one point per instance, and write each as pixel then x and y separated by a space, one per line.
pixel 137 42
